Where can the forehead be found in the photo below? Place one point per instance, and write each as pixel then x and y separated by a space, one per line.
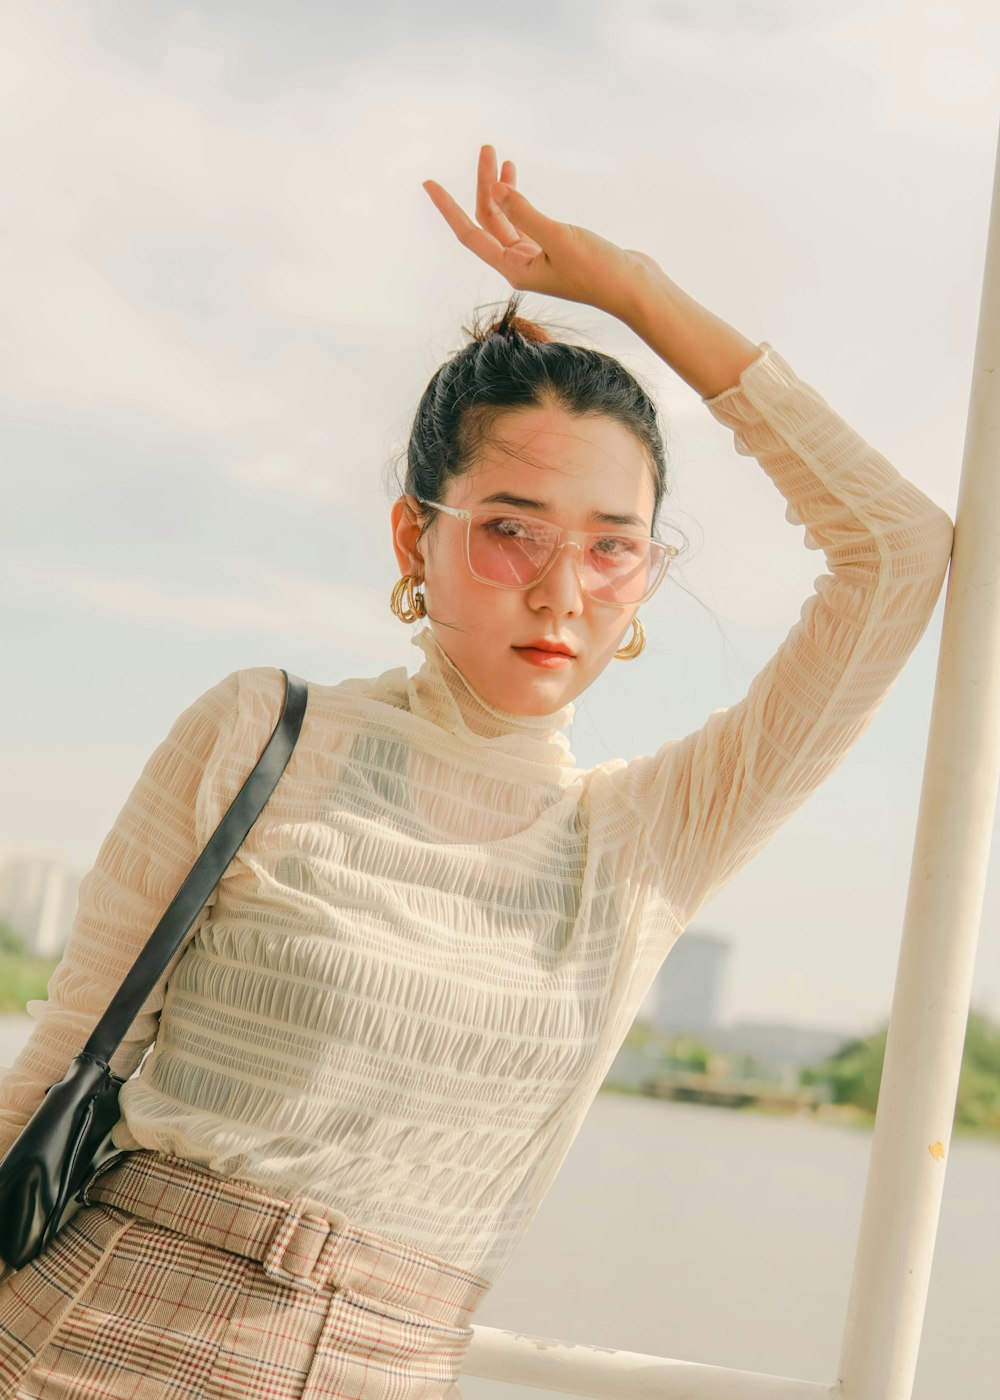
pixel 573 463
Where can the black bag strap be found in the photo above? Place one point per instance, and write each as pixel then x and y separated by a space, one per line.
pixel 203 876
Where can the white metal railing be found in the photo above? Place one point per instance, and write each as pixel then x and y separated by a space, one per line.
pixel 575 1369
pixel 930 1006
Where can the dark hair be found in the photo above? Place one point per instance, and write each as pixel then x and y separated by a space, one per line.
pixel 511 363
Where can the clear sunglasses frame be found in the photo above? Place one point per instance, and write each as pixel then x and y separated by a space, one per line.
pixel 577 537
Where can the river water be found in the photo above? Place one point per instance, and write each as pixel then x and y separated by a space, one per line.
pixel 728 1238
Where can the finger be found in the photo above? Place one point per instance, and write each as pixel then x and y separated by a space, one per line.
pixel 524 216
pixel 508 174
pixel 487 168
pixel 486 174
pixel 487 211
pixel 470 235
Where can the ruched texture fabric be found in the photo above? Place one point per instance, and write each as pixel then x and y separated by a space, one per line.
pixel 415 975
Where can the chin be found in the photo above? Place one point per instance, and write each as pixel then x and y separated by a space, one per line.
pixel 535 692
pixel 544 698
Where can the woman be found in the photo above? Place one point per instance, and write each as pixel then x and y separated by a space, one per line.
pixel 385 1030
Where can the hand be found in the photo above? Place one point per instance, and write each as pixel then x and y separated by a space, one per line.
pixel 538 254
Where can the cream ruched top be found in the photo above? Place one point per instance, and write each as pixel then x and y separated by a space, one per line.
pixel 414 977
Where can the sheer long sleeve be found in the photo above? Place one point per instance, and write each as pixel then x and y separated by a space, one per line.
pixel 140 865
pixel 709 801
pixel 415 978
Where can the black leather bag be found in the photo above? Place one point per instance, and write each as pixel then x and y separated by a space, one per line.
pixel 68 1136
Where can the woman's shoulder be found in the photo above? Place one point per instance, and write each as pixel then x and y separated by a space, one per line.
pixel 256 694
pixel 241 691
pixel 239 711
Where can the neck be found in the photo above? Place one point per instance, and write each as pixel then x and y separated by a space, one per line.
pixel 441 692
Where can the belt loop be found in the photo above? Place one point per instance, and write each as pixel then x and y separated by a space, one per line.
pixel 325 1259
pixel 301 1250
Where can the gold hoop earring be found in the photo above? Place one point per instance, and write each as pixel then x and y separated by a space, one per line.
pixel 405 603
pixel 635 644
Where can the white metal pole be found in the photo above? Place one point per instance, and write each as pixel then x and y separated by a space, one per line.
pixel 944 906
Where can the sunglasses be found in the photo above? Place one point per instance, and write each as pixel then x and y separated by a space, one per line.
pixel 515 551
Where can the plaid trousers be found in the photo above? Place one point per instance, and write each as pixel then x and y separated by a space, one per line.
pixel 174 1282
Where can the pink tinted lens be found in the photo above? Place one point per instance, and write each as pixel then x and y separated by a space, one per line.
pixel 620 568
pixel 511 551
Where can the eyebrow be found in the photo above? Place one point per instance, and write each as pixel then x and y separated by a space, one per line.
pixel 505 498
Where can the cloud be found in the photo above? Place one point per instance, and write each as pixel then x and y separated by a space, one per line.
pixel 218 267
pixel 265 273
pixel 263 600
pixel 258 272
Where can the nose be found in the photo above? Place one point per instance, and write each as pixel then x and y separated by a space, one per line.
pixel 560 586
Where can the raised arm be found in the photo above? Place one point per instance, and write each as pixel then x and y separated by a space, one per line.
pixel 709 801
pixel 706 803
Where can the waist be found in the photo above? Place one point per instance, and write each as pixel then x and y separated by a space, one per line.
pixel 301 1242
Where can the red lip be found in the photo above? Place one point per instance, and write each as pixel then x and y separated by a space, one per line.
pixel 559 647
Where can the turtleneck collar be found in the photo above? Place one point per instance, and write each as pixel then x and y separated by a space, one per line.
pixel 439 692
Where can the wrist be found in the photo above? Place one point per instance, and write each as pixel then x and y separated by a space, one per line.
pixel 704 350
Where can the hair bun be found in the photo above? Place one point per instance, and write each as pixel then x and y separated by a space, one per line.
pixel 508 323
pixel 531 330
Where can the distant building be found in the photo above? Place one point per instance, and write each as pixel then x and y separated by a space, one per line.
pixel 684 996
pixel 38 894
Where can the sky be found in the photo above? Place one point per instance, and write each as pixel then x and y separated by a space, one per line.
pixel 225 289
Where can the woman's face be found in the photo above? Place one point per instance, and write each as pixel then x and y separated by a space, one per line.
pixel 577 469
